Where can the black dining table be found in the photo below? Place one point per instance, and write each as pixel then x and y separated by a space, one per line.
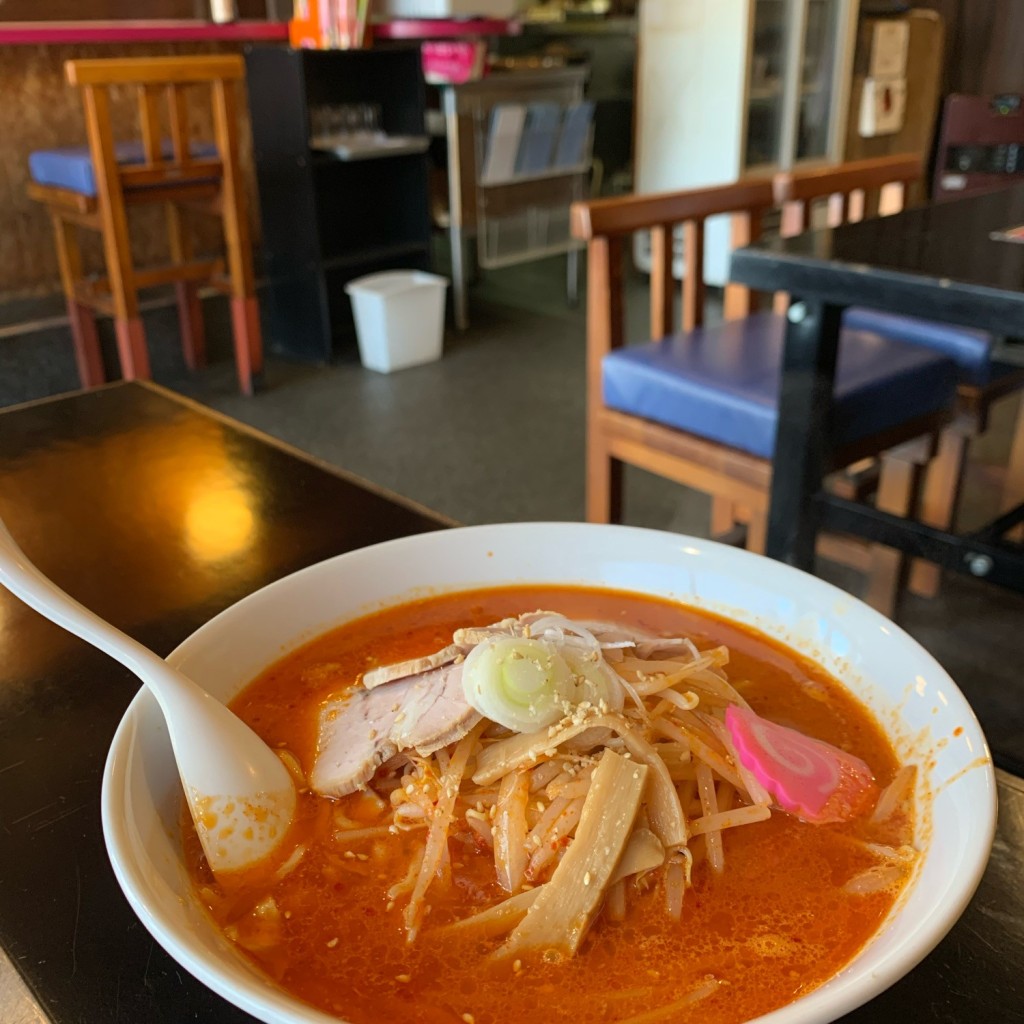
pixel 157 514
pixel 943 262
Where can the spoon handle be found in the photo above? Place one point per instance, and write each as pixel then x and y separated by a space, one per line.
pixel 22 578
pixel 241 796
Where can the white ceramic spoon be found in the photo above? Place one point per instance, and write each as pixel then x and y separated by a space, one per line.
pixel 241 796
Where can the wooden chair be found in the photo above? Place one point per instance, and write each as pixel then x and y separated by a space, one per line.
pixel 982 379
pixel 94 188
pixel 684 407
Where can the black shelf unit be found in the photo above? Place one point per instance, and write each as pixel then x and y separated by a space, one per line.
pixel 325 220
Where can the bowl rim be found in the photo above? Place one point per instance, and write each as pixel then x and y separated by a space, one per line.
pixel 832 999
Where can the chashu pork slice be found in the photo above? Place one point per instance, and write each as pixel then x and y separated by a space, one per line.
pixel 364 728
pixel 414 667
pixel 434 711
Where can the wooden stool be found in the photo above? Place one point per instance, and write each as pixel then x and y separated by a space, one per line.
pixel 93 186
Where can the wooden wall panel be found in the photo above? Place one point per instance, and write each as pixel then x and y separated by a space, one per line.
pixel 41 111
pixel 925 61
pixel 992 42
pixel 986 43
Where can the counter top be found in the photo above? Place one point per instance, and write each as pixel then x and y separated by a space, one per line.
pixel 445 28
pixel 26 33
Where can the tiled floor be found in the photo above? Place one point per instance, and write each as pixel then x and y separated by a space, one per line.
pixel 494 431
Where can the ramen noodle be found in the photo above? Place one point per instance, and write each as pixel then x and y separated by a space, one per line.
pixel 565 804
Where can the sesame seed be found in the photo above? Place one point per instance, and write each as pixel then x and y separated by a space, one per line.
pixel 403 978
pixel 391 905
pixel 349 855
pixel 586 878
pixel 362 856
pixel 333 942
pixel 469 1018
pixel 517 966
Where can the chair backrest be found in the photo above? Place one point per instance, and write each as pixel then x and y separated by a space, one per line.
pixel 605 223
pixel 854 190
pixel 155 78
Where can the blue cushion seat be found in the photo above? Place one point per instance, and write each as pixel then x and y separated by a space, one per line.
pixel 722 383
pixel 969 348
pixel 71 168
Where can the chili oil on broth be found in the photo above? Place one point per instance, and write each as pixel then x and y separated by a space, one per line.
pixel 775 925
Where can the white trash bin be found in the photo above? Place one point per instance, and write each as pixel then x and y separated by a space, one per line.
pixel 399 318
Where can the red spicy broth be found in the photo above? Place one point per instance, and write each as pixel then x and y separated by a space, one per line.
pixel 774 925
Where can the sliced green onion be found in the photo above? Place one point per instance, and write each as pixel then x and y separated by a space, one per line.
pixel 526 684
pixel 518 683
pixel 595 682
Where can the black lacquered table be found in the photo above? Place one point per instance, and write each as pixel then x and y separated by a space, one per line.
pixel 936 262
pixel 158 515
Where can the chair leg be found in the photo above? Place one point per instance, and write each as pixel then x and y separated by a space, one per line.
pixel 81 318
pixel 131 348
pixel 757 532
pixel 939 502
pixel 128 329
pixel 245 316
pixel 245 324
pixel 190 324
pixel 898 486
pixel 604 482
pixel 88 357
pixel 1013 484
pixel 186 293
pixel 723 515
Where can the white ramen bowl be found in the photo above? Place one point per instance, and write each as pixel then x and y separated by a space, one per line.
pixel 925 715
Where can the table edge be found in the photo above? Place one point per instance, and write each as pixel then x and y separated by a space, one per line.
pixel 409 504
pixel 298 453
pixel 762 269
